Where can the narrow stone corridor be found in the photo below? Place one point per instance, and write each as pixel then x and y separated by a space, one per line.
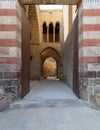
pixel 48 93
pixel 38 39
pixel 50 89
pixel 50 105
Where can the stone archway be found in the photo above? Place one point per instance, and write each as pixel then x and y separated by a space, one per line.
pixel 14 40
pixel 50 52
pixel 50 67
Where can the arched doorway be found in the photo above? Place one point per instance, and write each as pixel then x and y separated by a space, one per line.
pixel 49 56
pixel 50 67
pixel 50 29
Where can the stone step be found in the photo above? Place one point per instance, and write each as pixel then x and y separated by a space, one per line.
pixel 47 103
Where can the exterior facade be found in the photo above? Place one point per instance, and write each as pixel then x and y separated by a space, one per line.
pixel 51 36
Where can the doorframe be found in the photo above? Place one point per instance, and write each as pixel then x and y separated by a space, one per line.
pixel 76 60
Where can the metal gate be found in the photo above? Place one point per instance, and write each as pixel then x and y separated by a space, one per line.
pixel 25 75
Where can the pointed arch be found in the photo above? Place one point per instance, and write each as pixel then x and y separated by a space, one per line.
pixel 50 32
pixel 50 52
pixel 44 29
pixel 57 32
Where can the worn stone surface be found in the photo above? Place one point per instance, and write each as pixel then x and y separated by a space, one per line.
pixel 98 99
pixel 50 114
pixel 89 50
pixel 50 119
pixel 10 47
pixel 9 67
pixel 3 103
pixel 68 57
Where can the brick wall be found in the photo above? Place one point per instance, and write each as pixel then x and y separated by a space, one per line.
pixel 89 49
pixel 10 46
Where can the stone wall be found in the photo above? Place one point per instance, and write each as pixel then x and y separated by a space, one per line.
pixel 34 22
pixel 89 49
pixel 36 61
pixel 67 55
pixel 37 18
pixel 10 47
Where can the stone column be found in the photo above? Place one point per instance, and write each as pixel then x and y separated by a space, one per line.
pixel 47 33
pixel 89 49
pixel 10 47
pixel 53 33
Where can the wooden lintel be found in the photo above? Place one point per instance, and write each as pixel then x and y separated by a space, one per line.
pixel 58 2
pixel 20 2
pixel 78 3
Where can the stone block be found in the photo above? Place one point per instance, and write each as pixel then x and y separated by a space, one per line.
pixel 91 81
pixel 84 82
pixel 4 51
pixel 1 74
pixel 84 67
pixel 94 67
pixel 89 74
pixel 98 59
pixel 91 98
pixel 9 83
pixel 90 89
pixel 3 103
pixel 2 93
pixel 84 93
pixel 98 74
pixel 11 75
pixel 91 51
pixel 98 99
pixel 97 88
pixel 97 81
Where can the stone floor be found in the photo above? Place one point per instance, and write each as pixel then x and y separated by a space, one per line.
pixel 49 89
pixel 50 105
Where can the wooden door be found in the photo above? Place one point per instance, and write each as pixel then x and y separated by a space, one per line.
pixel 25 55
pixel 75 65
